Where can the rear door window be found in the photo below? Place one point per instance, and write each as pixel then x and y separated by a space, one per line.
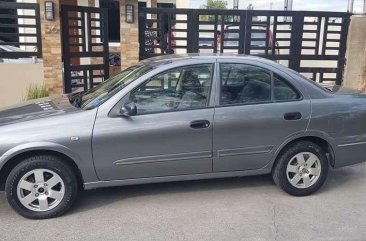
pixel 283 91
pixel 248 84
pixel 244 84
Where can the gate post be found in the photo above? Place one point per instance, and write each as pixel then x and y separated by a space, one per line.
pixel 296 41
pixel 142 23
pixel 248 31
pixel 342 50
pixel 51 49
pixel 242 31
pixel 129 35
pixel 192 32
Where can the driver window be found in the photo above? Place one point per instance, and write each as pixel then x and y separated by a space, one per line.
pixel 177 89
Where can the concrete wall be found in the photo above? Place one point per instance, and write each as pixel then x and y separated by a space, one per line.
pixel 363 73
pixel 355 71
pixel 15 79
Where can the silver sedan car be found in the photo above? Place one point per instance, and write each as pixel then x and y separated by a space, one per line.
pixel 177 118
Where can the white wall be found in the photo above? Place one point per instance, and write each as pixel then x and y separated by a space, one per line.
pixel 15 79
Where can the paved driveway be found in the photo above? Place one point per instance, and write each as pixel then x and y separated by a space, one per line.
pixel 250 208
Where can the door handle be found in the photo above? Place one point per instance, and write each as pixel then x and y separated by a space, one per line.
pixel 198 124
pixel 292 116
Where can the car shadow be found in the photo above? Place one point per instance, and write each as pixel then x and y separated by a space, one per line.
pixel 344 177
pixel 96 198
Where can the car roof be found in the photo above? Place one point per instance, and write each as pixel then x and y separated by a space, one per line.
pixel 170 58
pixel 155 62
pixel 9 48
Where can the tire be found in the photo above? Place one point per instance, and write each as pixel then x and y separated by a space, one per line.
pixel 52 197
pixel 301 169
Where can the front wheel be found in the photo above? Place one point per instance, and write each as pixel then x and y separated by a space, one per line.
pixel 41 187
pixel 301 169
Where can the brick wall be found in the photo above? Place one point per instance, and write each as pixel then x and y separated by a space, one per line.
pixel 51 48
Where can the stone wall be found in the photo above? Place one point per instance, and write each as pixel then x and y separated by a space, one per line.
pixel 129 36
pixel 51 48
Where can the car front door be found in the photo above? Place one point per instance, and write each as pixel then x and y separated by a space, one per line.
pixel 171 134
pixel 256 111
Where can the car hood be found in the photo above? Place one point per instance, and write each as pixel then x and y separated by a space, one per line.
pixel 36 110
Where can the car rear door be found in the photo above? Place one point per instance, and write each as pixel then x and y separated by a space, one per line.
pixel 171 133
pixel 257 109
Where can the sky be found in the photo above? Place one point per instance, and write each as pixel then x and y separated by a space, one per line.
pixel 302 5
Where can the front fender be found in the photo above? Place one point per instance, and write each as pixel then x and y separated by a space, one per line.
pixel 87 173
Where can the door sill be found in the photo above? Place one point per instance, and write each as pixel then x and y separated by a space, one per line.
pixel 211 175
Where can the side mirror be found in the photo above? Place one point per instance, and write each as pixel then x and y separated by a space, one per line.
pixel 128 109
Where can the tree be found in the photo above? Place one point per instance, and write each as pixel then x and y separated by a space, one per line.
pixel 250 7
pixel 215 4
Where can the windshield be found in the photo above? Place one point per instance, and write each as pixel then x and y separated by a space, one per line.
pixel 102 92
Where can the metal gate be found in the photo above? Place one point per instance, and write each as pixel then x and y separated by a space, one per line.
pixel 312 43
pixel 20 30
pixel 84 47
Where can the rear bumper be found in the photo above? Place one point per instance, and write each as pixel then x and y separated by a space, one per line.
pixel 350 154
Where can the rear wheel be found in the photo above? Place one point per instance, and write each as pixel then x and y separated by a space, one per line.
pixel 41 187
pixel 301 169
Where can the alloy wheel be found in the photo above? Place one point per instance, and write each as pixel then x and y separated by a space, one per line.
pixel 40 190
pixel 303 170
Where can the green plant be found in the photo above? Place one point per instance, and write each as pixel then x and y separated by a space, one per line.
pixel 215 4
pixel 35 92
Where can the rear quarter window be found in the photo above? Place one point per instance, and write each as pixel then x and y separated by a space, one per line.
pixel 283 91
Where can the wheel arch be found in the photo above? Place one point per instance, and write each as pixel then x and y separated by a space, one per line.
pixel 322 141
pixel 14 159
